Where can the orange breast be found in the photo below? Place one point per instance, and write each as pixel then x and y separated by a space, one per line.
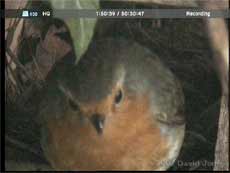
pixel 131 140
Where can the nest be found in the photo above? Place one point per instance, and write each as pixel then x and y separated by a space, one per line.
pixel 180 43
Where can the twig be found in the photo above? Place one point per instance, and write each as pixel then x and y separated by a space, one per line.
pixel 22 145
pixel 199 136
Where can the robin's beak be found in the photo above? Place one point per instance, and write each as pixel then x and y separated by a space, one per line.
pixel 98 122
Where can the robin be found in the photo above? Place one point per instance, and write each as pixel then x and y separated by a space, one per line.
pixel 119 108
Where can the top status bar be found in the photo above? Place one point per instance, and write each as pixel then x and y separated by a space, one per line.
pixel 116 13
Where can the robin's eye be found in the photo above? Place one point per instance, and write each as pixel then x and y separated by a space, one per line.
pixel 73 105
pixel 118 97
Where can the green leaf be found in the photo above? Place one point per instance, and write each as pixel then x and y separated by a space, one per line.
pixel 81 29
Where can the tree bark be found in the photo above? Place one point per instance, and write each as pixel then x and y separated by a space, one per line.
pixel 219 39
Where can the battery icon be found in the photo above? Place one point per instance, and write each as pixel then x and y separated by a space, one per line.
pixel 25 13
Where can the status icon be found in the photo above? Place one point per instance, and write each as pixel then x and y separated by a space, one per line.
pixel 25 13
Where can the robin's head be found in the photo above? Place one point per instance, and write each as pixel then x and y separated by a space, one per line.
pixel 117 108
